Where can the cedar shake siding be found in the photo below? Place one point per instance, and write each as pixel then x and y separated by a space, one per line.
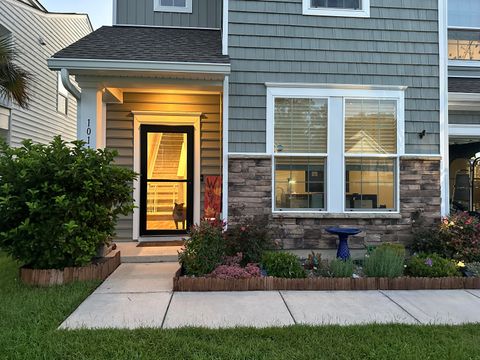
pixel 205 14
pixel 271 41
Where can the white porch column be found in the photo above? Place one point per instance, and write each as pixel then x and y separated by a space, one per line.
pixel 91 118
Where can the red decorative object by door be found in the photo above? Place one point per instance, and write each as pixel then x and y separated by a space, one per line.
pixel 213 197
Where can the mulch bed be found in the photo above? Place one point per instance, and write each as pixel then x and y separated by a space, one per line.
pixel 183 283
pixel 99 270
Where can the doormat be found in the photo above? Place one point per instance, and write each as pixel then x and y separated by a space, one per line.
pixel 160 243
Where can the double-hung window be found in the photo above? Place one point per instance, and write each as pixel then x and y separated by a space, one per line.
pixel 347 8
pixel 335 150
pixel 370 154
pixel 181 6
pixel 300 152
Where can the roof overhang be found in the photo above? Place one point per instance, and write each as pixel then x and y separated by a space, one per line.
pixel 126 67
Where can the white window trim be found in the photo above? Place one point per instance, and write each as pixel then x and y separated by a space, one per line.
pixel 335 190
pixel 175 9
pixel 364 12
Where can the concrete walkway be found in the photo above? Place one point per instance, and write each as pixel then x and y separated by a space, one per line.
pixel 140 295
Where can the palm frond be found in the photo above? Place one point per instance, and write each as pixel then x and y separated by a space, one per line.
pixel 13 79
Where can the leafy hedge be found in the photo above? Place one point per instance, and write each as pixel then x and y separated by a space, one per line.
pixel 60 202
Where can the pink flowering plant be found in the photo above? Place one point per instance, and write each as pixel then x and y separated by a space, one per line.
pixel 460 234
pixel 456 237
pixel 250 237
pixel 214 251
pixel 231 269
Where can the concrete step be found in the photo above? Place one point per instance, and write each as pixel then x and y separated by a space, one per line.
pixel 131 253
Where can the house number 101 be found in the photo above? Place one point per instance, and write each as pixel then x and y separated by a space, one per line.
pixel 89 131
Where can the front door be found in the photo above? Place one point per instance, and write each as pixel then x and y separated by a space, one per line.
pixel 166 184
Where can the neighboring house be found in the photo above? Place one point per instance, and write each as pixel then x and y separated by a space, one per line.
pixel 462 141
pixel 313 112
pixel 37 34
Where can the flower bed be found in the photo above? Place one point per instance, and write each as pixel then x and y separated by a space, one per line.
pixel 241 259
pixel 100 270
pixel 185 283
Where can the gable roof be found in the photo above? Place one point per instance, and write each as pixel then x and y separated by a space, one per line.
pixel 464 85
pixel 155 44
pixel 35 4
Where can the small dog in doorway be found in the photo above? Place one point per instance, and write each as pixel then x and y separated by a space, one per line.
pixel 180 215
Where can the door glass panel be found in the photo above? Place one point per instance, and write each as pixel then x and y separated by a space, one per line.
pixel 167 206
pixel 167 156
pixel 167 181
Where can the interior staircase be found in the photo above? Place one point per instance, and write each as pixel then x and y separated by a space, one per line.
pixel 161 196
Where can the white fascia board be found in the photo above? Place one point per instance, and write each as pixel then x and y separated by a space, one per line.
pixel 133 65
pixel 346 91
pixel 336 86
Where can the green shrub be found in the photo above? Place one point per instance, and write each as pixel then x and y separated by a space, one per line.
pixel 428 241
pixel 60 202
pixel 283 265
pixel 387 260
pixel 251 238
pixel 204 250
pixel 342 269
pixel 431 265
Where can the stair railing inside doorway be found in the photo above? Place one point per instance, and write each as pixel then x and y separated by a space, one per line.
pixel 474 161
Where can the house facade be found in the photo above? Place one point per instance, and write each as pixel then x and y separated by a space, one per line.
pixel 314 113
pixel 37 34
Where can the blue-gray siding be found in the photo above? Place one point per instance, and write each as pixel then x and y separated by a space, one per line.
pixel 271 41
pixel 205 13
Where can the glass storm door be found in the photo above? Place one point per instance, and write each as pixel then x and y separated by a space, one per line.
pixel 166 205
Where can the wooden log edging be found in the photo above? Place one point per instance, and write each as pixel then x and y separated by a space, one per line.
pixel 52 277
pixel 188 284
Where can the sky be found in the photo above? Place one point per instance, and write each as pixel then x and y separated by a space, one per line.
pixel 100 11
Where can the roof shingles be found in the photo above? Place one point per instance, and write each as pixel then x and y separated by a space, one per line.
pixel 133 43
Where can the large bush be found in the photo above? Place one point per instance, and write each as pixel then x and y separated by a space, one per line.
pixel 204 250
pixel 456 237
pixel 59 202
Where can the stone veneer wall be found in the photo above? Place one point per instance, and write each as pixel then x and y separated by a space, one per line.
pixel 250 195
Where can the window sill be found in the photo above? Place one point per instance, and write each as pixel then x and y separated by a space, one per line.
pixel 173 9
pixel 338 13
pixel 324 215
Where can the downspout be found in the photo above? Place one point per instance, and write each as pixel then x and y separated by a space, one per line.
pixel 67 83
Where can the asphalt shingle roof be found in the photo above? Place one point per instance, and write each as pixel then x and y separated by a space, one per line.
pixel 464 85
pixel 149 44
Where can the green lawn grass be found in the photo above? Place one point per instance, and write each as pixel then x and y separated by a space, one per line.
pixel 29 318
